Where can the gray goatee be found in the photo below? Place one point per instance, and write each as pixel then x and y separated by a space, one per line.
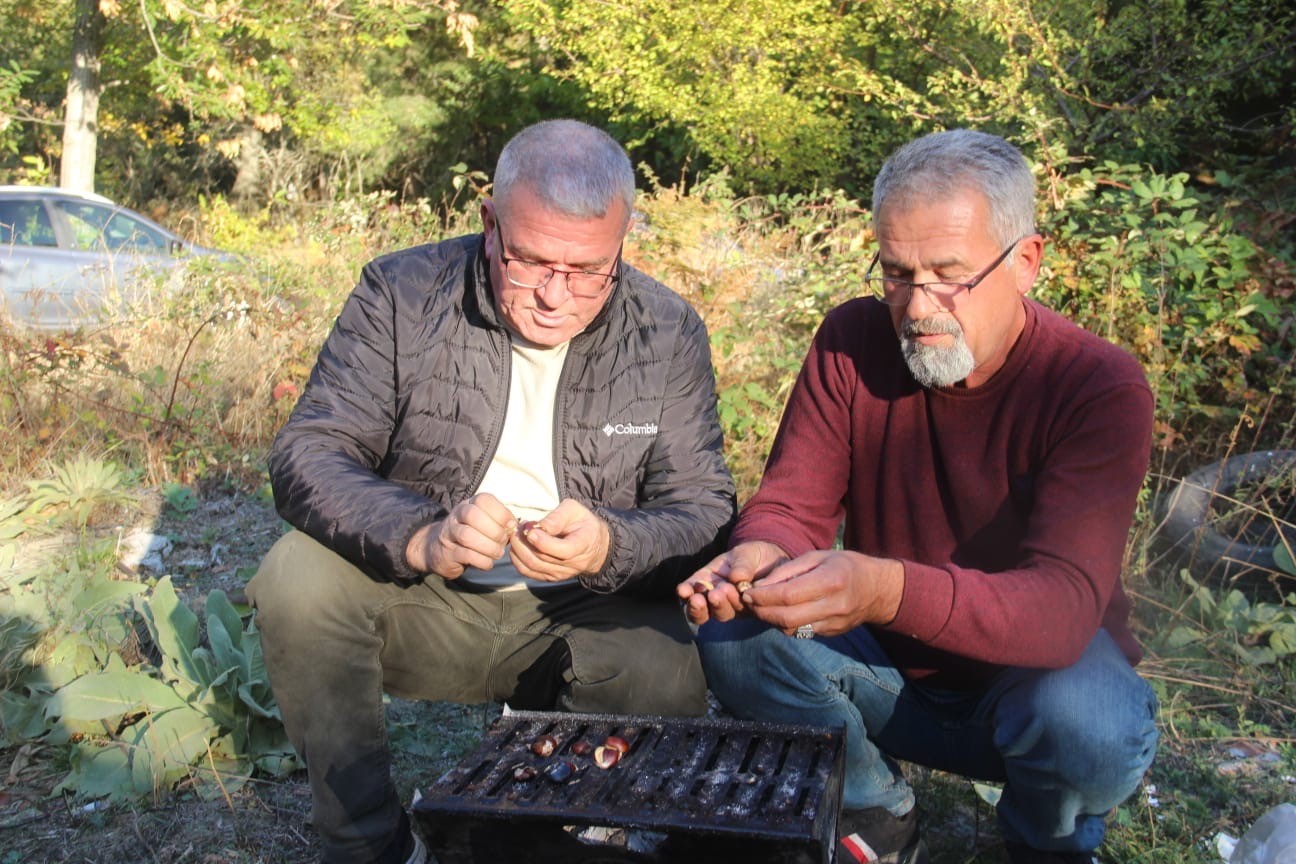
pixel 935 365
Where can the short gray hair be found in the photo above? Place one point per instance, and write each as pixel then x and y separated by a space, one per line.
pixel 572 167
pixel 945 163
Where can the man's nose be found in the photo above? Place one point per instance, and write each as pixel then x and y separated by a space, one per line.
pixel 556 291
pixel 921 304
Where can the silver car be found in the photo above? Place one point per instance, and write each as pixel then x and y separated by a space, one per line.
pixel 64 256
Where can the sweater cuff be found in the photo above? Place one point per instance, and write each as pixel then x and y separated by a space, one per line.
pixel 926 603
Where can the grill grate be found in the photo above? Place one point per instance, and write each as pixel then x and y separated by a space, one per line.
pixel 765 792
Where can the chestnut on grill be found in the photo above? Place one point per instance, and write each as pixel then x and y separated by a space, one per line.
pixel 615 742
pixel 605 757
pixel 581 747
pixel 560 771
pixel 545 745
pixel 523 772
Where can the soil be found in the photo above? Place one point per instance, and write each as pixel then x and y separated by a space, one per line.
pixel 216 540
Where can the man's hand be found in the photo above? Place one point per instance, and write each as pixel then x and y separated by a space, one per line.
pixel 713 591
pixel 473 534
pixel 566 543
pixel 831 591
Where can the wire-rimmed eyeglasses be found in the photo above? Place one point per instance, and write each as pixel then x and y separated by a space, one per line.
pixel 897 292
pixel 586 284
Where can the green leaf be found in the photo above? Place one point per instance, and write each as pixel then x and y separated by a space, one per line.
pixel 1184 635
pixel 104 592
pixel 21 717
pixel 98 771
pixel 261 703
pixel 220 608
pixel 174 628
pixel 1282 640
pixel 167 744
pixel 111 694
pixel 1283 558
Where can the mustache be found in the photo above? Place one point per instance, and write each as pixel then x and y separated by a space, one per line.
pixel 910 328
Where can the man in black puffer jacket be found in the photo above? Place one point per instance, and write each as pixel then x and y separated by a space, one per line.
pixel 508 451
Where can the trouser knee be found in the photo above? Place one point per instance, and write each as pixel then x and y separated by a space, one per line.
pixel 302 586
pixel 644 670
pixel 1098 725
pixel 735 656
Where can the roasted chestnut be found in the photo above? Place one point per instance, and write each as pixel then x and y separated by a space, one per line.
pixel 581 747
pixel 523 772
pixel 605 757
pixel 545 745
pixel 616 742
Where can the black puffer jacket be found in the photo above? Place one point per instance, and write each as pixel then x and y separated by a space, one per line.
pixel 406 402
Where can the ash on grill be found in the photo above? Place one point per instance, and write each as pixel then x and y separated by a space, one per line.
pixel 686 790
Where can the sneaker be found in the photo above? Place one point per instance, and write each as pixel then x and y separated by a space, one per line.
pixel 1020 853
pixel 420 854
pixel 877 836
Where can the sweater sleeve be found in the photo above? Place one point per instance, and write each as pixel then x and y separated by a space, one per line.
pixel 323 461
pixel 801 498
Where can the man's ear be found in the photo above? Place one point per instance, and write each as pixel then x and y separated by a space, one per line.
pixel 1028 257
pixel 488 216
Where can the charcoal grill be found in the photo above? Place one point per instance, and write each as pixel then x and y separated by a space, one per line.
pixel 689 790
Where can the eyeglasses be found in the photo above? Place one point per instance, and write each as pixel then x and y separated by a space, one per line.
pixel 897 292
pixel 585 284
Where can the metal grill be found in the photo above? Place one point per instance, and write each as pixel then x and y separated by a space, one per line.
pixel 687 790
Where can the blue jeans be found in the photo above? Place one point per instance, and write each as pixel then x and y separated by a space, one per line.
pixel 1068 744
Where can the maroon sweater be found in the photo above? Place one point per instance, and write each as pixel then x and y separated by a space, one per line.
pixel 1009 504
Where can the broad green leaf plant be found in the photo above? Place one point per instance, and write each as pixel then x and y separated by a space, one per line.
pixel 143 694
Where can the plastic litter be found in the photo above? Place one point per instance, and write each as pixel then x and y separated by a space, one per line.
pixel 1271 840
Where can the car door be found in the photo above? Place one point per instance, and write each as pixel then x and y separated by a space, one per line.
pixel 122 257
pixel 37 279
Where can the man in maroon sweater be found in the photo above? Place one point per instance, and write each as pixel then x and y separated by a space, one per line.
pixel 986 455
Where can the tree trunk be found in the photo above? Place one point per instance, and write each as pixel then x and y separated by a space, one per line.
pixel 81 120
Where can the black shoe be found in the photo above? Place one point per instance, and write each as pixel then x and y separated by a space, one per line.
pixel 876 836
pixel 1019 853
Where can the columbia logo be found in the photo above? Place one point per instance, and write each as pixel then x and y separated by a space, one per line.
pixel 630 429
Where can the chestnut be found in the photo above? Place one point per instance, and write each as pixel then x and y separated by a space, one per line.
pixel 560 771
pixel 544 746
pixel 605 757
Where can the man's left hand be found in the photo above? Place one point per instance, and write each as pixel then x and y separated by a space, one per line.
pixel 566 543
pixel 832 591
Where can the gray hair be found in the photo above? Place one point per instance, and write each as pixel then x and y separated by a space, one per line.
pixel 944 163
pixel 572 167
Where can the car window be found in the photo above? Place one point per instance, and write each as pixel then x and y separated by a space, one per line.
pixel 25 223
pixel 99 228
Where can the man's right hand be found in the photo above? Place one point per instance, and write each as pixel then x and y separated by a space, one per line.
pixel 473 534
pixel 712 591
